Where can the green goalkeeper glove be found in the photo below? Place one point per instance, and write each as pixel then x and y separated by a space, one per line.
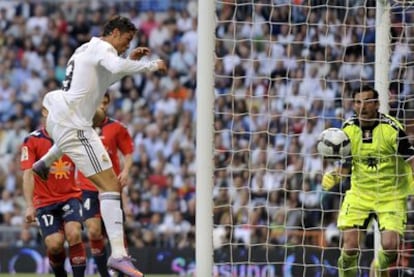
pixel 330 179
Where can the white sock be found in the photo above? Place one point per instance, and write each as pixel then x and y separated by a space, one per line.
pixel 52 155
pixel 112 217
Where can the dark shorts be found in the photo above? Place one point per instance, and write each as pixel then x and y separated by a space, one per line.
pixel 91 206
pixel 53 217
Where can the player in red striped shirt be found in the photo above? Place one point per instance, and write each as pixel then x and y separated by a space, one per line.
pixel 115 137
pixel 55 203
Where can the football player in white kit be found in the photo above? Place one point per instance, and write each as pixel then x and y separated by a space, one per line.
pixel 93 67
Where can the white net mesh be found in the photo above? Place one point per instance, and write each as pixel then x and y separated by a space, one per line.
pixel 284 72
pixel 401 102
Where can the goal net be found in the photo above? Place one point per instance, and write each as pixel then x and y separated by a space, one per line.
pixel 284 71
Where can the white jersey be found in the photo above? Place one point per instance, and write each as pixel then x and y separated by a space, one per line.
pixel 93 67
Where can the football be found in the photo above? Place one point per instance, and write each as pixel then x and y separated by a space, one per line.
pixel 333 143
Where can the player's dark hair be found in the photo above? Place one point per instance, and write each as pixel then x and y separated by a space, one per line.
pixel 123 24
pixel 107 96
pixel 365 88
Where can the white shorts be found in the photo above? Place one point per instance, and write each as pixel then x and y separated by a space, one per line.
pixel 84 147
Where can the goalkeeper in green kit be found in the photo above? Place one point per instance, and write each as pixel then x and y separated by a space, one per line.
pixel 381 169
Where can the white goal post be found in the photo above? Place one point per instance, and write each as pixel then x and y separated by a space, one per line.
pixel 382 52
pixel 204 137
pixel 283 72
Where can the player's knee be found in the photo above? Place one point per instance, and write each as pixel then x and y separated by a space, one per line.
pixel 73 234
pixel 389 246
pixel 390 241
pixel 94 232
pixel 54 243
pixel 74 238
pixel 55 247
pixel 350 251
pixel 350 247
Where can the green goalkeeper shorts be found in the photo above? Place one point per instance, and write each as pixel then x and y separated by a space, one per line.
pixel 356 212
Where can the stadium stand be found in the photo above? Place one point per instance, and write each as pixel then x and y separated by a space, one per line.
pixel 37 37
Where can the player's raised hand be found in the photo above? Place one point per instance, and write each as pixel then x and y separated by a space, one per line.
pixel 139 52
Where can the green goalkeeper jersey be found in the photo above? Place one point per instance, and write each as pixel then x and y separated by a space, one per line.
pixel 379 153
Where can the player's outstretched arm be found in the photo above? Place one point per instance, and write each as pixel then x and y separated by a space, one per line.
pixel 122 66
pixel 140 52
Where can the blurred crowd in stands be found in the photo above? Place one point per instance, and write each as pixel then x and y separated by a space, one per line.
pixel 284 72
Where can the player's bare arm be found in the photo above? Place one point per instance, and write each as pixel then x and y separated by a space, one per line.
pixel 124 174
pixel 28 188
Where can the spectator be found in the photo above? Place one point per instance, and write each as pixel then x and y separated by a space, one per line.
pixel 38 21
pixel 149 24
pixel 189 38
pixel 6 207
pixel 80 29
pixel 286 54
pixel 173 227
pixel 158 35
pixel 184 21
pixel 157 200
pixel 26 238
pixel 182 60
pixel 4 20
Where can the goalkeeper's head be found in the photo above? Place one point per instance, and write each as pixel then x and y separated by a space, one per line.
pixel 363 89
pixel 366 105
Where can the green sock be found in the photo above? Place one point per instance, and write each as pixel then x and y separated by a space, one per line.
pixel 347 265
pixel 385 259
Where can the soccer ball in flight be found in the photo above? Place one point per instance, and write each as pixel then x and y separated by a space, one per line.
pixel 333 143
